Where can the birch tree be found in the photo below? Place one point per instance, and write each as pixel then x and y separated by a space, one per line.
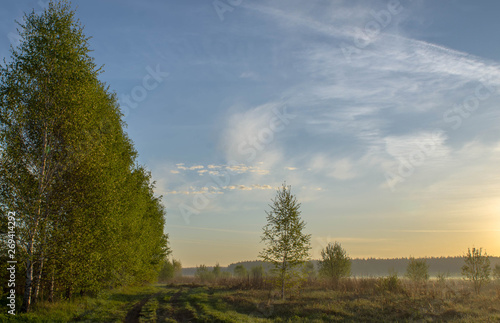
pixel 86 212
pixel 287 246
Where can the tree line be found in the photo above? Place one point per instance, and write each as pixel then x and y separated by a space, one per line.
pixel 86 215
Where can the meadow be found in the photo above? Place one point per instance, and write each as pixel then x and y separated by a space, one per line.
pixel 187 299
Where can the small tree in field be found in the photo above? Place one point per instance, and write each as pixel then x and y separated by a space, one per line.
pixel 216 271
pixel 417 270
pixel 287 246
pixel 336 263
pixel 477 268
pixel 257 273
pixel 309 270
pixel 203 274
pixel 240 271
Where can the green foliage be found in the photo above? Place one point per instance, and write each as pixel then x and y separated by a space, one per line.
pixel 417 270
pixel 359 301
pixel 240 271
pixel 216 271
pixel 391 283
pixel 87 215
pixel 335 262
pixel 148 312
pixel 309 270
pixel 204 274
pixel 477 268
pixel 257 275
pixel 171 268
pixel 257 272
pixel 287 246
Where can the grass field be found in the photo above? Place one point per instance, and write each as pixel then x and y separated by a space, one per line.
pixel 352 300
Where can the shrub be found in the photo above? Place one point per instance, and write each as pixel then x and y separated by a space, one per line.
pixel 240 271
pixel 390 283
pixel 336 263
pixel 204 274
pixel 417 270
pixel 257 274
pixel 170 270
pixel 477 268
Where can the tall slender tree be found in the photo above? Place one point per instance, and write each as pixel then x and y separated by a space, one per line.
pixel 287 246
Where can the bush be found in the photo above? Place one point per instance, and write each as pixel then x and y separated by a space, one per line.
pixel 477 268
pixel 257 274
pixel 417 270
pixel 336 263
pixel 203 274
pixel 240 271
pixel 309 270
pixel 390 283
pixel 170 270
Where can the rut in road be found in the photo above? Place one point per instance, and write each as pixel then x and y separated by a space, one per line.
pixel 135 312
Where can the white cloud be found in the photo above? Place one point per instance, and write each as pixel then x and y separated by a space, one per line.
pixel 341 169
pixel 249 75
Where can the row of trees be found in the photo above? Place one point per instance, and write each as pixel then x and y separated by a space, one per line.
pixel 287 249
pixel 86 215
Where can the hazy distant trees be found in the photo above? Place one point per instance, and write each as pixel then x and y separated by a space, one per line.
pixel 216 271
pixel 171 268
pixel 203 273
pixel 257 272
pixel 417 270
pixel 477 267
pixel 309 270
pixel 240 271
pixel 335 262
pixel 286 245
pixel 86 214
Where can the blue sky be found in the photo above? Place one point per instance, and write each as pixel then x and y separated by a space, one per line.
pixel 382 116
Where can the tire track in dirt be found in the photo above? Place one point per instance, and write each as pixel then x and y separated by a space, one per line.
pixel 134 314
pixel 178 312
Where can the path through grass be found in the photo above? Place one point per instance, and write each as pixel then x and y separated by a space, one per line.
pixel 361 302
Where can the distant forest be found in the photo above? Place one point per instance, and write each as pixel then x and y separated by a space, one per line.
pixel 374 267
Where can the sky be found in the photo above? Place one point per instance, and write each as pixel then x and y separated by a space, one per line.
pixel 382 116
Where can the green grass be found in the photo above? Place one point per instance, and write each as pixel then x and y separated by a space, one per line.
pixel 353 300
